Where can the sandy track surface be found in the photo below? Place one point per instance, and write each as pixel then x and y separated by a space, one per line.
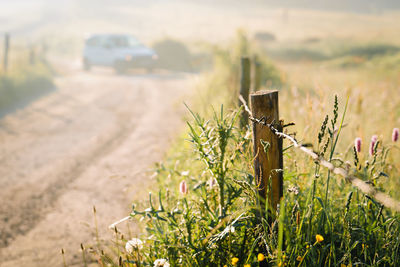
pixel 89 143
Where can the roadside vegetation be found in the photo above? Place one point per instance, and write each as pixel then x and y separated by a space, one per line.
pixel 206 210
pixel 27 78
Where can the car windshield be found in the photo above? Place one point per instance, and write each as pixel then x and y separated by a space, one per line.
pixel 133 41
pixel 124 41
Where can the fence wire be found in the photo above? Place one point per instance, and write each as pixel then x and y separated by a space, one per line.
pixel 364 187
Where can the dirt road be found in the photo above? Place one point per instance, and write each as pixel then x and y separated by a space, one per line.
pixel 89 143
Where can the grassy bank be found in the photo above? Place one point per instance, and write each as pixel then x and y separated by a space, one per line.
pixel 24 83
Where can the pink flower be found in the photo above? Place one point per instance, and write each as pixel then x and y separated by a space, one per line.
pixel 357 144
pixel 183 188
pixel 374 138
pixel 395 134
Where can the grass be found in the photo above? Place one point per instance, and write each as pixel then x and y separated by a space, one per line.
pixel 322 220
pixel 23 82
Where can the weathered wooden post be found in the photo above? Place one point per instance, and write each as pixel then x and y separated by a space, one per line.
pixel 6 48
pixel 268 160
pixel 244 87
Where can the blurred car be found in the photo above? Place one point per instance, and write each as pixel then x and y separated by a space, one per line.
pixel 119 51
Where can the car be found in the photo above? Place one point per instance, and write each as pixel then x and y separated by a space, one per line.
pixel 120 51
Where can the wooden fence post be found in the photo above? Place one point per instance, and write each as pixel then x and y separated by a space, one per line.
pixel 6 48
pixel 244 87
pixel 268 161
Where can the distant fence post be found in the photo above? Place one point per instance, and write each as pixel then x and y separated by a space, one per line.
pixel 6 49
pixel 244 87
pixel 257 74
pixel 268 160
pixel 32 55
pixel 43 52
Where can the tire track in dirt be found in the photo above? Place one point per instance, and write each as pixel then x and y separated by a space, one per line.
pixel 33 208
pixel 28 196
pixel 47 192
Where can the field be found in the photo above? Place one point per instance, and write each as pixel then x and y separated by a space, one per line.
pixel 204 209
pixel 322 219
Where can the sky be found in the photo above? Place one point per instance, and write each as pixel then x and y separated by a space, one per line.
pixel 155 19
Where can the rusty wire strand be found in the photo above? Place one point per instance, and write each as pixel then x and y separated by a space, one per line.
pixel 366 188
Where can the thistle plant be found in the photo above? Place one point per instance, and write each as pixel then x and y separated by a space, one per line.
pixel 208 219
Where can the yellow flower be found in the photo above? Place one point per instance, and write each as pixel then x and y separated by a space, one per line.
pixel 235 260
pixel 319 238
pixel 299 258
pixel 279 264
pixel 247 265
pixel 260 257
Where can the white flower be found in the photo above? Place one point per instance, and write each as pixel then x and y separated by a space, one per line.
pixel 212 182
pixel 161 262
pixel 133 244
pixel 185 173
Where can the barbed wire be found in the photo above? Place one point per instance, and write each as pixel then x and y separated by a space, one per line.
pixel 364 187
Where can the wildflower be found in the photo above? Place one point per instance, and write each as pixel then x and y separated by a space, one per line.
pixel 357 144
pixel 133 244
pixel 235 260
pixel 374 138
pixel 183 188
pixel 395 134
pixel 212 182
pixel 308 246
pixel 161 263
pixel 260 257
pixel 299 258
pixel 293 189
pixel 279 264
pixel 230 228
pixel 319 238
pixel 247 265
